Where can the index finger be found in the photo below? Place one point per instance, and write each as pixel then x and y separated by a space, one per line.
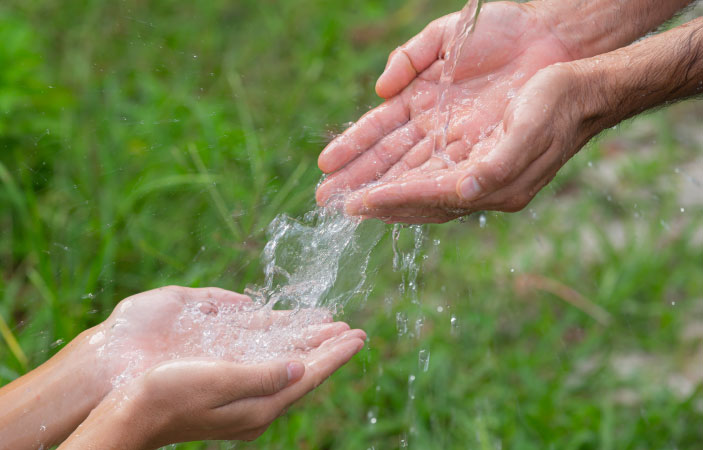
pixel 368 130
pixel 322 363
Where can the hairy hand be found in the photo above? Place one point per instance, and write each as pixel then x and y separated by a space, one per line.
pixel 510 44
pixel 541 130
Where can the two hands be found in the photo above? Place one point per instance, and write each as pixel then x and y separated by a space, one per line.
pixel 523 102
pixel 166 400
pixel 496 104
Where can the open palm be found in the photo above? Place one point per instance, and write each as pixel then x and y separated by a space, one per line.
pixel 510 44
pixel 178 322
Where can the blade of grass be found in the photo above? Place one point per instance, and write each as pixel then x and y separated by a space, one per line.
pixel 564 292
pixel 12 344
pixel 215 194
pixel 251 141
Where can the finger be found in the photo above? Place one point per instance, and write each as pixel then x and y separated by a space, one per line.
pixel 372 164
pixel 408 60
pixel 368 130
pixel 415 157
pixel 354 201
pixel 327 358
pixel 500 161
pixel 355 204
pixel 218 295
pixel 519 193
pixel 463 185
pixel 444 158
pixel 432 190
pixel 315 335
pixel 260 380
pixel 324 361
pixel 420 158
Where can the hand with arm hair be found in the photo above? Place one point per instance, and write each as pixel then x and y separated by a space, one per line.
pixel 501 113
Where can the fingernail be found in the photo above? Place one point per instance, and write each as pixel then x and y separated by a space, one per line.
pixel 295 370
pixel 469 188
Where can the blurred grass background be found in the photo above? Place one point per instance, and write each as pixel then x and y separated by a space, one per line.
pixel 150 143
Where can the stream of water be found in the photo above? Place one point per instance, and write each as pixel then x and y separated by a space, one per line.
pixel 443 109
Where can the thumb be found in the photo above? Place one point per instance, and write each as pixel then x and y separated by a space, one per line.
pixel 266 379
pixel 416 55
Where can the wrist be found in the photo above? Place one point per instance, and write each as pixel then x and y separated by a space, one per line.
pixel 623 83
pixel 86 364
pixel 590 28
pixel 68 382
pixel 118 422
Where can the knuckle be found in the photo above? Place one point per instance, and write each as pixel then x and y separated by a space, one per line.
pixel 436 25
pixel 267 382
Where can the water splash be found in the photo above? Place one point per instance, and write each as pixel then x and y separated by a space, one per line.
pixel 317 261
pixel 313 266
pixel 406 262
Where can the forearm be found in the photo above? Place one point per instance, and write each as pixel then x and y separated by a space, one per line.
pixel 44 406
pixel 591 27
pixel 661 69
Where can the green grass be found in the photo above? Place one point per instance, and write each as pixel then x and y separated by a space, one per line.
pixel 150 143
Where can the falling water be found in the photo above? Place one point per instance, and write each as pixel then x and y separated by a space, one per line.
pixel 443 110
pixel 313 266
pixel 317 261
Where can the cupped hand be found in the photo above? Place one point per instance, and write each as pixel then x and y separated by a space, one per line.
pixel 196 398
pixel 510 44
pixel 544 125
pixel 179 322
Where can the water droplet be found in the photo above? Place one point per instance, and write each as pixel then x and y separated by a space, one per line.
pixel 423 359
pixel 403 441
pixel 411 387
pixel 482 220
pixel 419 323
pixel 454 325
pixel 371 417
pixel 401 322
